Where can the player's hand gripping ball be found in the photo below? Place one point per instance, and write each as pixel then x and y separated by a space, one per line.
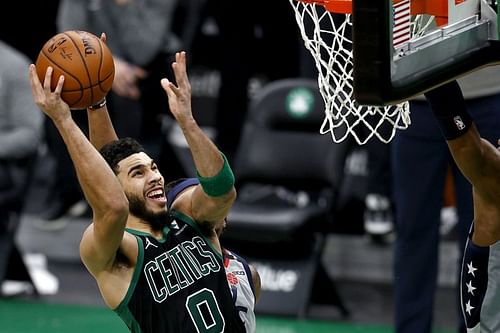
pixel 86 63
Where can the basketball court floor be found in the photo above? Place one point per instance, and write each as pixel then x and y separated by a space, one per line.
pixel 77 308
pixel 77 318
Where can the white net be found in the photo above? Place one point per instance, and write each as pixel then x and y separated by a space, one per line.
pixel 328 37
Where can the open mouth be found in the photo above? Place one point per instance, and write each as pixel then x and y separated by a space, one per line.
pixel 157 195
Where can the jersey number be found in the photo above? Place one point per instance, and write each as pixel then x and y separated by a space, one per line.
pixel 205 312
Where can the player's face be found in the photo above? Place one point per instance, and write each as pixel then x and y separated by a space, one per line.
pixel 143 183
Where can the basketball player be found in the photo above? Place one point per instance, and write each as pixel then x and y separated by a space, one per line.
pixel 479 161
pixel 243 279
pixel 157 277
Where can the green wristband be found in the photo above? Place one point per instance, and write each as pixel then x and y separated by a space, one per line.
pixel 219 184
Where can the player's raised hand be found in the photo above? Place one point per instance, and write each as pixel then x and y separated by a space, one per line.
pixel 49 101
pixel 179 97
pixel 103 37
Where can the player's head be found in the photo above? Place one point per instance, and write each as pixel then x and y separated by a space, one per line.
pixel 141 180
pixel 115 151
pixel 177 187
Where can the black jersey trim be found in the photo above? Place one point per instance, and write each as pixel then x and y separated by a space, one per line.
pixel 122 307
pixel 196 227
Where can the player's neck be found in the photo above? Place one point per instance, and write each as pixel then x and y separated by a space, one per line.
pixel 140 225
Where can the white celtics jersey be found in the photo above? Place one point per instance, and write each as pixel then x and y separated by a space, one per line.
pixel 239 279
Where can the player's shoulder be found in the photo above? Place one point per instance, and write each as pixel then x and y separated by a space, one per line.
pixel 88 239
pixel 234 256
pixel 229 255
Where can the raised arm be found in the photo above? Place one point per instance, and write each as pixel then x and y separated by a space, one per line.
pixel 212 200
pixel 101 130
pixel 477 158
pixel 479 161
pixel 99 184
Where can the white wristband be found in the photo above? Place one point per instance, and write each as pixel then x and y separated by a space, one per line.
pixel 98 105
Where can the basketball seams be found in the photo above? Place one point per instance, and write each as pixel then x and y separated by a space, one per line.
pixel 103 49
pixel 101 60
pixel 54 63
pixel 104 81
pixel 62 69
pixel 98 84
pixel 83 61
pixel 89 78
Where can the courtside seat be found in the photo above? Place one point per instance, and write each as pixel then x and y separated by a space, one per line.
pixel 287 176
pixel 265 223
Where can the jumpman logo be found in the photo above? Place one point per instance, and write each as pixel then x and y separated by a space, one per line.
pixel 174 225
pixel 148 242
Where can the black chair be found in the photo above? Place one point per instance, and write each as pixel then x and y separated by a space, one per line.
pixel 15 178
pixel 287 176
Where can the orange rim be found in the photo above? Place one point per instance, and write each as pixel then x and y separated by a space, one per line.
pixel 437 8
pixel 339 6
pixel 334 6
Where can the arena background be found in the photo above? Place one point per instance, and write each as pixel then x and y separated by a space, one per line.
pixel 69 299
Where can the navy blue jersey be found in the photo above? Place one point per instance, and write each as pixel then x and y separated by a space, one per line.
pixel 179 284
pixel 480 287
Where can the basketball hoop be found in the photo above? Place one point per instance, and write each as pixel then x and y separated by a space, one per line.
pixel 325 26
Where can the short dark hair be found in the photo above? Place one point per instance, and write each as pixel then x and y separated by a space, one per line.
pixel 115 151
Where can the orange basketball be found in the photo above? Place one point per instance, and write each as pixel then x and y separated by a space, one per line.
pixel 86 63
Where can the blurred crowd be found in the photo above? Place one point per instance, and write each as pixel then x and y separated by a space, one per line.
pixel 234 48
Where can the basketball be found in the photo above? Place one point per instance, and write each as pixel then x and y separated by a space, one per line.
pixel 86 63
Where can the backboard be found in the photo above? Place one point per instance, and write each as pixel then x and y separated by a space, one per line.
pixel 402 48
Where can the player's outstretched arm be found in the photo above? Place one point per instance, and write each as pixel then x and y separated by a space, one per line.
pixel 99 184
pixel 477 158
pixel 479 161
pixel 212 199
pixel 101 130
